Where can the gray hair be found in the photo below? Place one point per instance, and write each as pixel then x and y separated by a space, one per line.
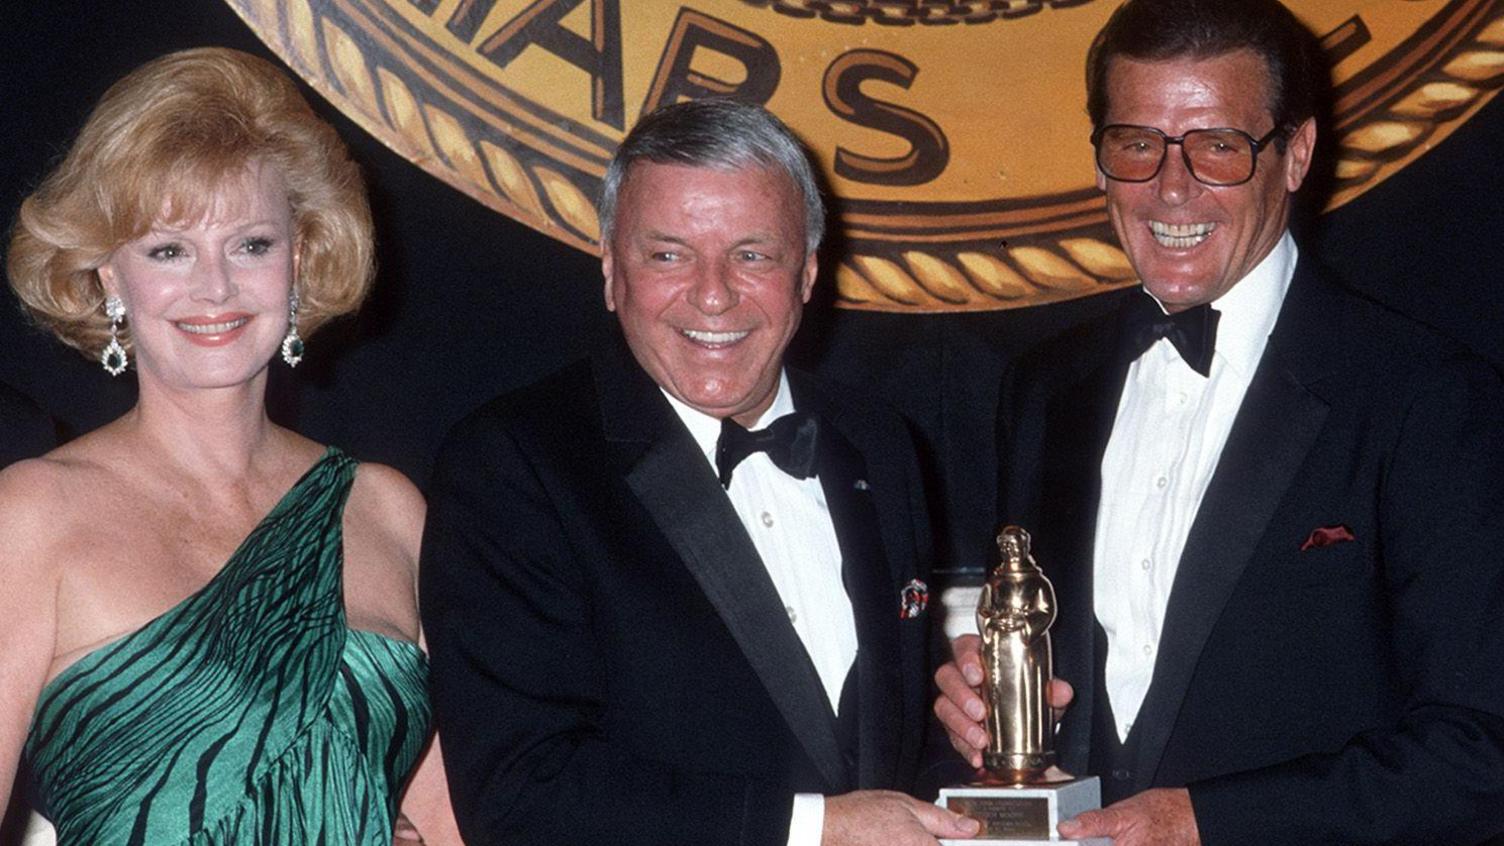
pixel 721 134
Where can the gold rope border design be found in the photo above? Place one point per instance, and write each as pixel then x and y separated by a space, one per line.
pixel 1088 263
pixel 969 277
pixel 376 97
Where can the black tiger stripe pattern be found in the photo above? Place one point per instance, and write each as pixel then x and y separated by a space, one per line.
pixel 248 713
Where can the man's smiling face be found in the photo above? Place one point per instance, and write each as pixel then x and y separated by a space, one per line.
pixel 708 273
pixel 1190 242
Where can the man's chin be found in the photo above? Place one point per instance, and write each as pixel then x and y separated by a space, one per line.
pixel 1176 289
pixel 739 405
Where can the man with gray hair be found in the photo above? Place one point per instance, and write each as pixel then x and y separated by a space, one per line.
pixel 675 592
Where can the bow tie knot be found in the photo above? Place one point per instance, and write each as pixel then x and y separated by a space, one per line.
pixel 790 443
pixel 1193 332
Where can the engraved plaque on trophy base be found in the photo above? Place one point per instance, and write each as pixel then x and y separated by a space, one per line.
pixel 1023 814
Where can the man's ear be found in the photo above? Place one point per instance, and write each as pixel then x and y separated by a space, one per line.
pixel 809 273
pixel 1298 152
pixel 607 265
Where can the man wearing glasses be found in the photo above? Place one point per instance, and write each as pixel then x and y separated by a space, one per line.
pixel 1269 505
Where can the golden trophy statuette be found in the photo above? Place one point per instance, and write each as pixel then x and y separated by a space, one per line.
pixel 1021 798
pixel 1013 618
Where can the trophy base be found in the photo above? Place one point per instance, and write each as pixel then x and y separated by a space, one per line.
pixel 1023 814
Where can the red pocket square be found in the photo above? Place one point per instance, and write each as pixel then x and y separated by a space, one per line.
pixel 1327 535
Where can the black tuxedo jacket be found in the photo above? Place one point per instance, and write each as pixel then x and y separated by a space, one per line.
pixel 1343 693
pixel 610 660
pixel 25 432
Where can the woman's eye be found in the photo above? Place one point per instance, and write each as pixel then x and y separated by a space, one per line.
pixel 167 252
pixel 257 246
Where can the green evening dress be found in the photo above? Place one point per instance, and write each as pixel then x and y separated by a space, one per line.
pixel 248 713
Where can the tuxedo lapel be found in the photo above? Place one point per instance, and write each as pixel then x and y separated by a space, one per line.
pixel 671 478
pixel 1078 426
pixel 870 584
pixel 1274 430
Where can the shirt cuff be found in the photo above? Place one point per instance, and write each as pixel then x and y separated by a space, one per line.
pixel 808 820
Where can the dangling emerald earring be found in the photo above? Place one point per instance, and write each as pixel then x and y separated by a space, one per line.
pixel 113 357
pixel 292 344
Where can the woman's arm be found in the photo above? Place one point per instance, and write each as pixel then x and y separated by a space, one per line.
pixel 389 501
pixel 425 805
pixel 28 607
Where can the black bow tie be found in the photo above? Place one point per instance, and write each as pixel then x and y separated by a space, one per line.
pixel 1193 332
pixel 790 443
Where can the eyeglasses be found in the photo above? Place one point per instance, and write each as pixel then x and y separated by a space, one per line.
pixel 1221 157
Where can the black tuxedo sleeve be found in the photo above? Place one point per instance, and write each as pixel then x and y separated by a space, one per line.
pixel 1436 774
pixel 519 685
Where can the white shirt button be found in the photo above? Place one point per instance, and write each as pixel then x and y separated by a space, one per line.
pixel 793 617
pixel 1146 564
pixel 1161 482
pixel 1148 649
pixel 767 519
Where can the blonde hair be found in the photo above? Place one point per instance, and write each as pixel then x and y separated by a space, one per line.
pixel 165 137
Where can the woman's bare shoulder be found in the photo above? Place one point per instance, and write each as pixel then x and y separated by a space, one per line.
pixel 384 501
pixel 43 499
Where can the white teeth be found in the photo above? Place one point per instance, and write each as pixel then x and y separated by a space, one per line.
pixel 1180 236
pixel 714 337
pixel 212 328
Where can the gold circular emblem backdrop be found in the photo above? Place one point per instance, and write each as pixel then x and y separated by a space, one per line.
pixel 952 132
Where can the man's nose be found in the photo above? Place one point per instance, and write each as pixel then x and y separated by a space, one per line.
pixel 1174 184
pixel 713 292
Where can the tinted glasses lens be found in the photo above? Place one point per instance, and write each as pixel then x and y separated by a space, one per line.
pixel 1219 156
pixel 1130 153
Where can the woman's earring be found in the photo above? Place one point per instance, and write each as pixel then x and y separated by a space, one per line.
pixel 292 345
pixel 113 357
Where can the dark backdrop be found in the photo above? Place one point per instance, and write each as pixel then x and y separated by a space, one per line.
pixel 469 303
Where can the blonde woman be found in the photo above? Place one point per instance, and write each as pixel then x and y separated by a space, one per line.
pixel 210 622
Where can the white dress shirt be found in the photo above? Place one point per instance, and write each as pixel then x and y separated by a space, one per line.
pixel 790 525
pixel 1169 431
